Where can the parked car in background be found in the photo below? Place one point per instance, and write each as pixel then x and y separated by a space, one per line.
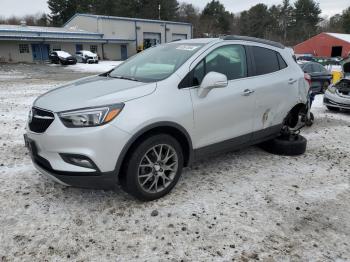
pixel 145 120
pixel 321 78
pixel 62 57
pixel 304 58
pixel 85 56
pixel 327 60
pixel 337 96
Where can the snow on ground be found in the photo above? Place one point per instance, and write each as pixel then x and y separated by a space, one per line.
pixel 244 205
pixel 101 67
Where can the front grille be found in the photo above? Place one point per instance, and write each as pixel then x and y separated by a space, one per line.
pixel 40 120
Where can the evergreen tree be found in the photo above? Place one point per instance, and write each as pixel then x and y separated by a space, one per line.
pixel 346 20
pixel 306 17
pixel 63 10
pixel 256 21
pixel 215 20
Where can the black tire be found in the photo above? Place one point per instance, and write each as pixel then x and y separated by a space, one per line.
pixel 130 181
pixel 325 86
pixel 292 145
pixel 310 121
pixel 331 108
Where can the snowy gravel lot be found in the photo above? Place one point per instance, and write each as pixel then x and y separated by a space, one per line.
pixel 246 205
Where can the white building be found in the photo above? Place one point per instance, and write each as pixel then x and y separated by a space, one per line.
pixel 112 38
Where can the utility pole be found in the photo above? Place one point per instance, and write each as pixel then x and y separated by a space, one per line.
pixel 159 7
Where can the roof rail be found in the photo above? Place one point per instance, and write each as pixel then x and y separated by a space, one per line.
pixel 253 39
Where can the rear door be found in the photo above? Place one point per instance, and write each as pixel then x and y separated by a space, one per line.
pixel 274 85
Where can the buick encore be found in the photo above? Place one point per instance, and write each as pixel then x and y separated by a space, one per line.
pixel 141 123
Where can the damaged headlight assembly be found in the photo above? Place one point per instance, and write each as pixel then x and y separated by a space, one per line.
pixel 332 89
pixel 90 117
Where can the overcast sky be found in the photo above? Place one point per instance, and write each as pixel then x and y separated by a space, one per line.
pixel 23 7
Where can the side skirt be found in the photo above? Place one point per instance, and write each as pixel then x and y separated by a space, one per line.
pixel 237 142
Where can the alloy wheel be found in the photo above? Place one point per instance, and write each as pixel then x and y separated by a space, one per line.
pixel 158 168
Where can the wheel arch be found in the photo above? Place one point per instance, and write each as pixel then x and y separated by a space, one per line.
pixel 292 117
pixel 164 127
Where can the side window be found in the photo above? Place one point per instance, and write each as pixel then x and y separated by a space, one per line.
pixel 266 60
pixel 229 60
pixel 316 68
pixel 23 48
pixel 308 68
pixel 93 48
pixel 281 61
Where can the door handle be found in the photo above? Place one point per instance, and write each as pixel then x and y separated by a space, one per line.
pixel 292 81
pixel 247 92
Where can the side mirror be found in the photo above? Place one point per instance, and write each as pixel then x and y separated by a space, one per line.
pixel 210 81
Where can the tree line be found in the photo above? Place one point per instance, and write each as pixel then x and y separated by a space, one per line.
pixel 287 23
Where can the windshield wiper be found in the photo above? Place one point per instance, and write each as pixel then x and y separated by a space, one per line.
pixel 124 77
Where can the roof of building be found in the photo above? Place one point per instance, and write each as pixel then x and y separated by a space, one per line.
pixel 127 19
pixel 344 37
pixel 42 29
pixel 40 33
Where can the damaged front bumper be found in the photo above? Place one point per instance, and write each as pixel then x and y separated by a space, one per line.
pixel 338 95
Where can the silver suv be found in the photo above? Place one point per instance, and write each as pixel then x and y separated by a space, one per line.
pixel 154 114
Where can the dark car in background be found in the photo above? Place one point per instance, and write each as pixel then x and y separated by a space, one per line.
pixel 321 78
pixel 62 57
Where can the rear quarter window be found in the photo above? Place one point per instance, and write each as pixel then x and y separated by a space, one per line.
pixel 267 60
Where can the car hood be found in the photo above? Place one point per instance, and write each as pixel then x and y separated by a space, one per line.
pixel 67 57
pixel 92 91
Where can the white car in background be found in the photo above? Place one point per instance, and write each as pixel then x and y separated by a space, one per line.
pixel 337 96
pixel 85 56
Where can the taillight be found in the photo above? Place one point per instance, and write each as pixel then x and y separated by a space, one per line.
pixel 307 77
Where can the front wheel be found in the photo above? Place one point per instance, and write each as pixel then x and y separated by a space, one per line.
pixel 153 168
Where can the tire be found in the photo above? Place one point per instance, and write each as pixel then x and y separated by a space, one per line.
pixel 292 145
pixel 146 180
pixel 331 108
pixel 325 86
pixel 310 121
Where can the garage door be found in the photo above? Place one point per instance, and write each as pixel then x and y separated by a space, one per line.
pixel 151 39
pixel 179 37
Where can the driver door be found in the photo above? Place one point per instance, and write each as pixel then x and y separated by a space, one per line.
pixel 226 114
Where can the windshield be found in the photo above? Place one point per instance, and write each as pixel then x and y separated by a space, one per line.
pixel 88 53
pixel 156 63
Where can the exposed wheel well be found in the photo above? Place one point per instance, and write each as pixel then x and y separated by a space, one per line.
pixel 172 131
pixel 292 118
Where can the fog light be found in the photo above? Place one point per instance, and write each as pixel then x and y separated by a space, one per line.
pixel 79 160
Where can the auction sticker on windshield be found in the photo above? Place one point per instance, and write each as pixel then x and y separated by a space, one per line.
pixel 187 47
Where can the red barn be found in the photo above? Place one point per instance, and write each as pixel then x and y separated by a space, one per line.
pixel 325 44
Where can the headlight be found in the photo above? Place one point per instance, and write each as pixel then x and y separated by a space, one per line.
pixel 89 117
pixel 331 89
